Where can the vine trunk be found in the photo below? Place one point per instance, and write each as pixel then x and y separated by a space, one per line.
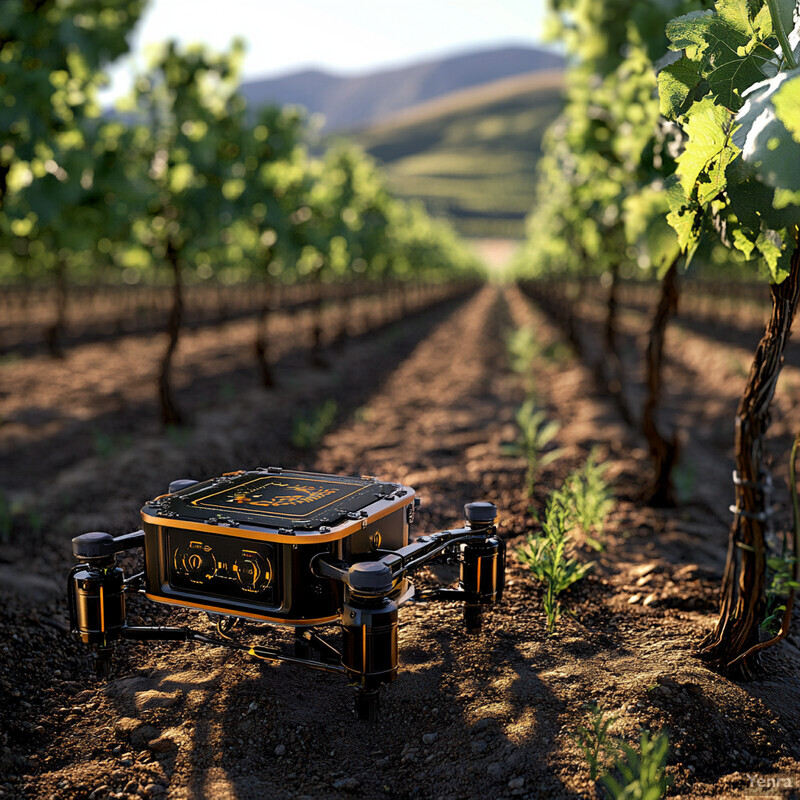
pixel 170 414
pixel 742 597
pixel 663 452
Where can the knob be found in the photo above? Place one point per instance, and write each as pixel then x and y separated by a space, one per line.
pixel 179 485
pixel 370 577
pixel 480 513
pixel 93 545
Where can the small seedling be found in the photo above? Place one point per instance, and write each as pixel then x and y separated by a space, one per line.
pixel 546 556
pixel 522 350
pixel 640 775
pixel 536 433
pixel 309 429
pixel 590 500
pixel 595 740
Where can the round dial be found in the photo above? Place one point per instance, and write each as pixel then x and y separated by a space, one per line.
pixel 197 561
pixel 253 571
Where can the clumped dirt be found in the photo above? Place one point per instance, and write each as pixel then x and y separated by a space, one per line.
pixel 430 403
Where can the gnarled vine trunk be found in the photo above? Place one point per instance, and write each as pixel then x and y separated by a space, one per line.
pixel 170 415
pixel 663 451
pixel 743 583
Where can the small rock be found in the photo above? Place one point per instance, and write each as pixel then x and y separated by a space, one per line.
pixel 154 789
pixel 125 726
pixel 348 784
pixel 495 771
pixel 98 792
pixel 142 735
pixel 649 600
pixel 429 738
pixel 131 787
pixel 479 747
pixel 280 750
pixel 162 744
pixel 151 699
pixel 382 762
pixel 480 725
pixel 634 598
pixel 516 783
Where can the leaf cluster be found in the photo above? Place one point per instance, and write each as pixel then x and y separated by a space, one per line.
pixel 734 90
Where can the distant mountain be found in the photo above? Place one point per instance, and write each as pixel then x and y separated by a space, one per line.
pixel 471 155
pixel 353 101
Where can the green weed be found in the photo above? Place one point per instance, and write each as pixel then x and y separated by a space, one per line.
pixel 782 569
pixel 536 433
pixel 640 775
pixel 545 554
pixel 590 500
pixel 781 573
pixel 309 429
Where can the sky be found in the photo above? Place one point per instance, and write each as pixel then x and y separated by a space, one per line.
pixel 343 36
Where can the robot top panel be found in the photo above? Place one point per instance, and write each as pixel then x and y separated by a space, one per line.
pixel 277 499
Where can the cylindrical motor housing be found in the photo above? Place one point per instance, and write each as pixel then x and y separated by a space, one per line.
pixel 98 603
pixel 370 642
pixel 483 570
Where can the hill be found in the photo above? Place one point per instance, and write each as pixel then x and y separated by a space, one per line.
pixel 472 154
pixel 350 101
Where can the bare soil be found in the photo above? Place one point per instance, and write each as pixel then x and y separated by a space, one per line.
pixel 428 402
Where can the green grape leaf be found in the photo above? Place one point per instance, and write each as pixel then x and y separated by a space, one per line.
pixel 701 167
pixel 787 105
pixel 688 33
pixel 729 46
pixel 684 216
pixel 772 245
pixel 677 83
pixel 765 142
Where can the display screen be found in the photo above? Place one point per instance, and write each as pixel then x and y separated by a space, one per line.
pixel 224 566
pixel 281 497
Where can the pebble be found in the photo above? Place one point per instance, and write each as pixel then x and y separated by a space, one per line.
pixel 142 735
pixel 162 744
pixel 348 784
pixel 154 789
pixel 516 783
pixel 480 725
pixel 131 787
pixel 429 738
pixel 495 771
pixel 479 747
pixel 280 750
pixel 100 790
